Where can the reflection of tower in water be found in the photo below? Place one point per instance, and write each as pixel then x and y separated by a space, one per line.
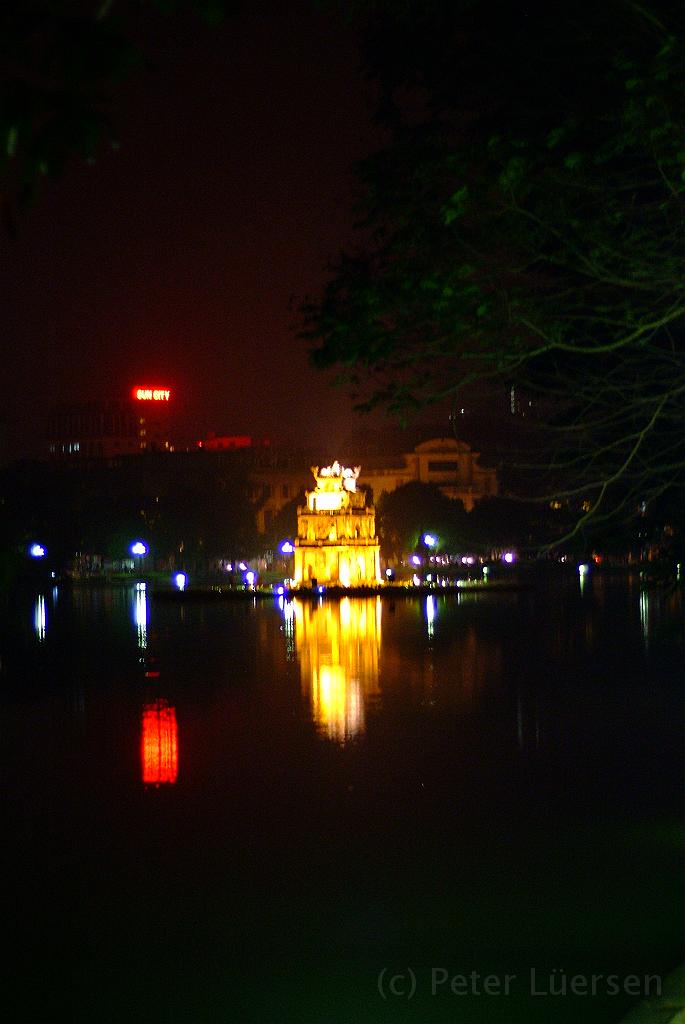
pixel 159 743
pixel 338 645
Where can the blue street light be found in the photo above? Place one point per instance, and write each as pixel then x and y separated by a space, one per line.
pixel 37 551
pixel 139 549
pixel 287 547
pixel 429 540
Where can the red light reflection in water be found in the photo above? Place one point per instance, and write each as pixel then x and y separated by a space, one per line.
pixel 159 743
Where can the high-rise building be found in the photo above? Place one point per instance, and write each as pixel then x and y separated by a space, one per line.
pixel 110 427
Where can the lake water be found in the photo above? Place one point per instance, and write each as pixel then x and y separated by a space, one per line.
pixel 336 812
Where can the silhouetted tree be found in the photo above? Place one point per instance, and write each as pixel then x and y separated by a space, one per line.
pixel 525 226
pixel 410 511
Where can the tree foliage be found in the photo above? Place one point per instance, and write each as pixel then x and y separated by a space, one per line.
pixel 190 511
pixel 408 512
pixel 525 225
pixel 283 526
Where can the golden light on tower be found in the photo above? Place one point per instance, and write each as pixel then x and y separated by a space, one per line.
pixel 336 541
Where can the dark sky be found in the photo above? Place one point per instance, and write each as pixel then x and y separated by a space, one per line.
pixel 174 259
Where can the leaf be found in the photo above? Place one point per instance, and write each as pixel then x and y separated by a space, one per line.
pixel 512 175
pixel 455 205
pixel 555 136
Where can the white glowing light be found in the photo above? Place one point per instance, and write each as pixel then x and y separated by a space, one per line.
pixel 140 615
pixel 430 613
pixel 429 540
pixel 416 581
pixel 250 577
pixel 242 566
pixel 37 551
pixel 415 560
pixel 138 548
pixel 40 618
pixel 287 548
pixel 180 579
pixel 347 476
pixel 508 557
pixel 583 568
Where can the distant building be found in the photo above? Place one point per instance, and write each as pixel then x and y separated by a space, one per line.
pixel 110 427
pixel 272 488
pixel 451 465
pixel 227 442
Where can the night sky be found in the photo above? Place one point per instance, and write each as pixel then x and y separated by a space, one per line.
pixel 180 258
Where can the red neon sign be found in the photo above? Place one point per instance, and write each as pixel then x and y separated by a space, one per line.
pixel 152 394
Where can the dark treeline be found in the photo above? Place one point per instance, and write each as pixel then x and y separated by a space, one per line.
pixel 192 510
pixel 187 509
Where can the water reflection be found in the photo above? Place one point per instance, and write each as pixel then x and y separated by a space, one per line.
pixel 338 645
pixel 159 743
pixel 430 616
pixel 528 722
pixel 644 615
pixel 583 573
pixel 659 610
pixel 140 614
pixel 288 611
pixel 40 618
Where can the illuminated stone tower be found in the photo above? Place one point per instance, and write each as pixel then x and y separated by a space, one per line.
pixel 336 532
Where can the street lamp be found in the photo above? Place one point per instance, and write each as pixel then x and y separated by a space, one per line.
pixel 429 540
pixel 287 548
pixel 37 551
pixel 139 549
